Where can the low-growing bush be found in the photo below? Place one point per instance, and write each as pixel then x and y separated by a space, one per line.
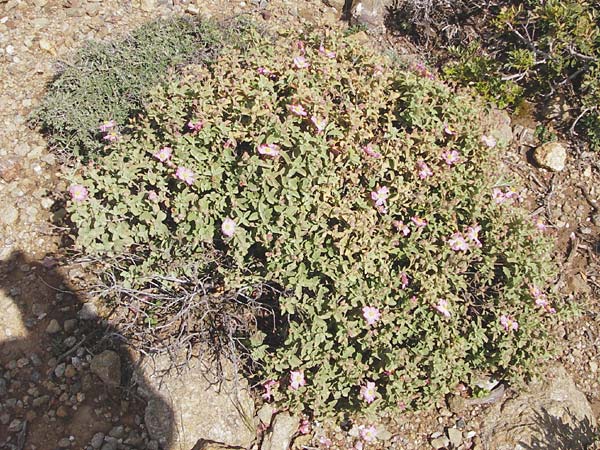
pixel 112 79
pixel 509 51
pixel 358 207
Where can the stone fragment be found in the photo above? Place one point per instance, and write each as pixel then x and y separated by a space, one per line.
pixel 97 440
pixel 371 12
pixel 88 311
pixel 282 430
pixel 9 214
pixel 440 442
pixel 107 366
pixel 455 437
pixel 551 156
pixel 53 327
pixel 148 5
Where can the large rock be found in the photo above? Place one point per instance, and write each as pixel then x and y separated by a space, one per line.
pixel 552 414
pixel 551 156
pixel 371 13
pixel 196 406
pixel 281 433
pixel 107 366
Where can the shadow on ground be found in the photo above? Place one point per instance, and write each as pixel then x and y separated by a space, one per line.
pixel 558 434
pixel 65 374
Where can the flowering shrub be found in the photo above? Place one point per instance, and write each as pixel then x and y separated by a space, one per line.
pixel 366 198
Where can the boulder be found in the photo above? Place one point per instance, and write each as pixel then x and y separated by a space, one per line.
pixel 551 156
pixel 551 414
pixel 191 406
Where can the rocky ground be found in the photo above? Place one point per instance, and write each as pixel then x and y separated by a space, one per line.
pixel 68 381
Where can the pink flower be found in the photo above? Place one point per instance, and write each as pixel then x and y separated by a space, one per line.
pixel 458 243
pixel 451 157
pixel 509 323
pixel 304 427
pixel 301 63
pixel 442 307
pixel 489 141
pixel 449 130
pixel 473 235
pixel 111 136
pixel 78 192
pixel 268 385
pixel 539 224
pixel 325 442
pixel 297 379
pixel 424 170
pixel 368 392
pixel 327 53
pixel 268 150
pixel 500 196
pixel 371 314
pixel 319 124
pixel 186 175
pixel 404 279
pixel 164 154
pixel 378 70
pixel 228 227
pixel 195 125
pixel 153 196
pixel 421 223
pixel 107 126
pixel 381 209
pixel 368 434
pixel 369 151
pixel 401 227
pixel 264 71
pixel 380 196
pixel 297 109
pixel 422 71
pixel 541 300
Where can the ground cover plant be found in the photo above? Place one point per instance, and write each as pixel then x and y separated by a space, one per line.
pixel 542 51
pixel 111 79
pixel 354 209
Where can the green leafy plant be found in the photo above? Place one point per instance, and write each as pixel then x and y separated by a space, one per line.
pixel 544 48
pixel 112 79
pixel 355 207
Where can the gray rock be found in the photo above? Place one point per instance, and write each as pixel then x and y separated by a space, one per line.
pixel 4 418
pixel 158 419
pixel 371 12
pixel 117 432
pixel 88 311
pixel 15 426
pixel 551 156
pixel 69 325
pixel 551 414
pixel 197 405
pixel 64 443
pixel 265 413
pixel 441 442
pixel 97 440
pixel 59 370
pixel 107 366
pixel 110 444
pixel 455 436
pixel 280 435
pixel 9 214
pixel 53 327
pixel 2 387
